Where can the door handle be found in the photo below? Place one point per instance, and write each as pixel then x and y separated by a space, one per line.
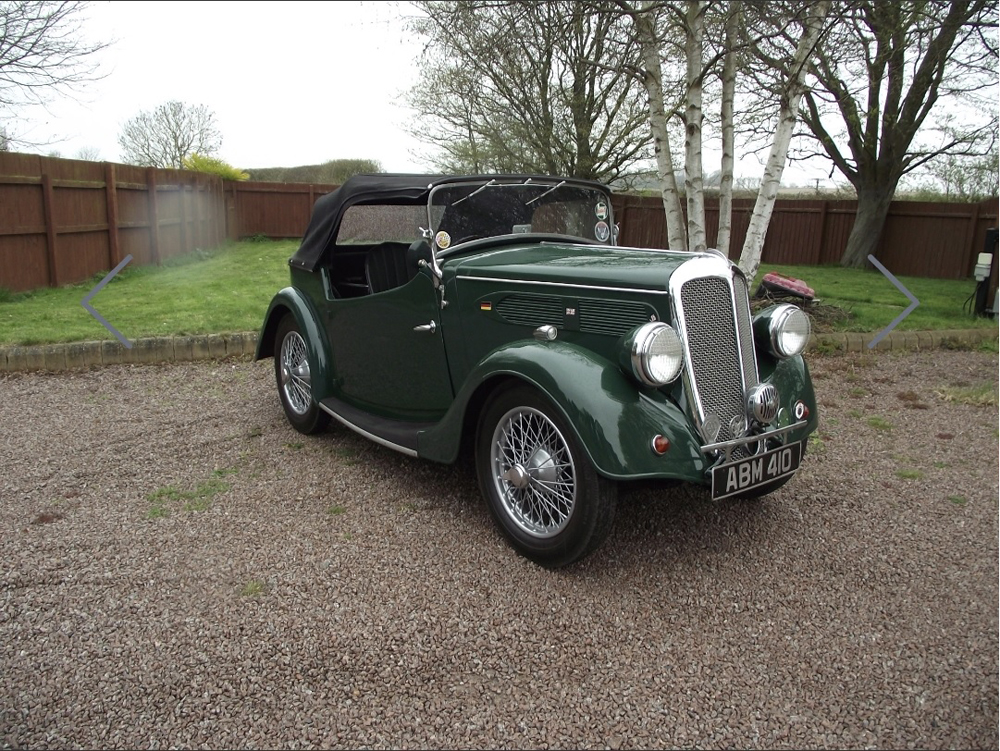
pixel 428 328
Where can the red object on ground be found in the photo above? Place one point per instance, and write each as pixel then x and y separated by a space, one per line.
pixel 774 282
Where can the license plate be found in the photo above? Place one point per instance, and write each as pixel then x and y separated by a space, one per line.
pixel 746 474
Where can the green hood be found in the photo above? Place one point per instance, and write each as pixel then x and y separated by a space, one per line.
pixel 573 264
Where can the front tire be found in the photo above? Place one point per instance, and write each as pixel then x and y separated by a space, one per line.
pixel 294 378
pixel 540 486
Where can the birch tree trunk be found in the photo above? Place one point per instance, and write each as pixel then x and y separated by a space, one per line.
pixel 726 111
pixel 652 79
pixel 694 183
pixel 791 97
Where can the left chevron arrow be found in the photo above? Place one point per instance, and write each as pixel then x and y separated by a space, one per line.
pixel 85 302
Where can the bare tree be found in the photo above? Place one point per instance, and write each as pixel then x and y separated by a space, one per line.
pixel 647 19
pixel 522 86
pixel 881 78
pixel 41 53
pixel 687 30
pixel 88 154
pixel 732 21
pixel 965 178
pixel 694 178
pixel 168 134
pixel 793 80
pixel 4 140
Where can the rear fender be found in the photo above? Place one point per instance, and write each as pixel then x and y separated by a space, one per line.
pixel 290 301
pixel 613 418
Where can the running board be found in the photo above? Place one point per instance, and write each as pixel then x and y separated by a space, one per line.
pixel 398 435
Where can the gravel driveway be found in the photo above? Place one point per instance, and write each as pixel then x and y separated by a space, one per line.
pixel 180 568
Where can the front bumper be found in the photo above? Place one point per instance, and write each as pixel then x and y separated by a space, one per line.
pixel 724 449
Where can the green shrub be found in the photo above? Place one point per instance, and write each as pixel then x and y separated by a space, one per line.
pixel 212 166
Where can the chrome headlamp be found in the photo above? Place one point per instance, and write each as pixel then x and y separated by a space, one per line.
pixel 785 328
pixel 653 354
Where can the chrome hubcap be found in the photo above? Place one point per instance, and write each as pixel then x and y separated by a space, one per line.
pixel 296 380
pixel 533 472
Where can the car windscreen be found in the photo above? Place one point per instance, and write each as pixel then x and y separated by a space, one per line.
pixel 461 212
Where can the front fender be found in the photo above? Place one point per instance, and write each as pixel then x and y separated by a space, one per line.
pixel 290 301
pixel 791 378
pixel 613 418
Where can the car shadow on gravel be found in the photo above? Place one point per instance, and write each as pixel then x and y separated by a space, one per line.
pixel 669 524
pixel 679 526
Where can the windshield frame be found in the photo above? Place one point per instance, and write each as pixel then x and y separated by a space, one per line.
pixel 501 182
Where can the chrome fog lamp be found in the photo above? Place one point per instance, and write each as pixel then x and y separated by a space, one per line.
pixel 653 354
pixel 789 331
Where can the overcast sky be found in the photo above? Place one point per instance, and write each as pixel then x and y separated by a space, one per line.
pixel 291 83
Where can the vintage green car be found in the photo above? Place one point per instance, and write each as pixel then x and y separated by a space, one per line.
pixel 496 314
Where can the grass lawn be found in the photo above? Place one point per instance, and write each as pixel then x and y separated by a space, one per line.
pixel 203 292
pixel 868 301
pixel 229 289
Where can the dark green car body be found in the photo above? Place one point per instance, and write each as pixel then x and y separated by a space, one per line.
pixel 412 365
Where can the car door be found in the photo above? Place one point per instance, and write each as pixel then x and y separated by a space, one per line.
pixel 388 351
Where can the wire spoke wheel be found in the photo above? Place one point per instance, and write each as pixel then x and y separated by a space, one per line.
pixel 294 376
pixel 533 472
pixel 296 380
pixel 539 483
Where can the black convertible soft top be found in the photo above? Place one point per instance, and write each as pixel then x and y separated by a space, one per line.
pixel 328 210
pixel 399 189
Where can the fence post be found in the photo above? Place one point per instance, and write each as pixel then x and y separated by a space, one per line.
pixel 233 213
pixel 50 229
pixel 182 241
pixel 111 198
pixel 968 251
pixel 822 230
pixel 154 218
pixel 199 231
pixel 219 210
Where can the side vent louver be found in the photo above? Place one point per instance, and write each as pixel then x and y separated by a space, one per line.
pixel 612 317
pixel 605 317
pixel 532 310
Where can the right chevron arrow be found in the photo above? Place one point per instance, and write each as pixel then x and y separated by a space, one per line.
pixel 914 302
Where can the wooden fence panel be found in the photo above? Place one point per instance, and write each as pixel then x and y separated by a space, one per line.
pixel 23 264
pixel 133 219
pixel 63 221
pixel 277 210
pixel 928 239
pixel 837 226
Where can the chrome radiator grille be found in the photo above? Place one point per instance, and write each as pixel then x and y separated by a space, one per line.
pixel 744 326
pixel 715 315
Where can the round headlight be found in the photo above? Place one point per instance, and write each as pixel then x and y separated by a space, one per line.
pixel 789 331
pixel 655 354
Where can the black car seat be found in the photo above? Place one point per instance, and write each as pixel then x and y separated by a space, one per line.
pixel 386 267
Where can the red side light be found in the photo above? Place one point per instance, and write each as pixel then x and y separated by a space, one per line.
pixel 661 444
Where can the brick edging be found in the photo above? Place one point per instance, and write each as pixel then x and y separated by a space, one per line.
pixel 79 355
pixel 897 341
